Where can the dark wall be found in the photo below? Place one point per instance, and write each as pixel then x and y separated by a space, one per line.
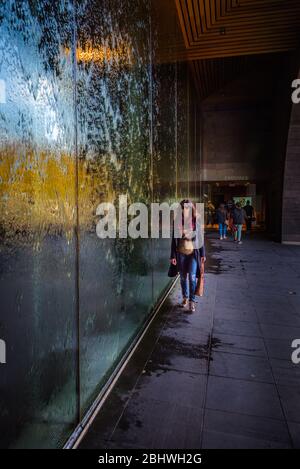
pixel 245 128
pixel 237 130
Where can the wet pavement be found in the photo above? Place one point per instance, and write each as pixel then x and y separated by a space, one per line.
pixel 221 377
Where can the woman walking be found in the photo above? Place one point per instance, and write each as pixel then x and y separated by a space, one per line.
pixel 222 220
pixel 188 252
pixel 239 218
pixel 230 207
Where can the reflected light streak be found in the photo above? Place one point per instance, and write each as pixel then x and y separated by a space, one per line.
pixel 102 54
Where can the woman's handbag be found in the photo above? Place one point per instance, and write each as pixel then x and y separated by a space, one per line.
pixel 173 271
pixel 200 283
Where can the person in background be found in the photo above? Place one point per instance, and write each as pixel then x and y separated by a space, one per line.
pixel 222 220
pixel 239 218
pixel 230 207
pixel 210 213
pixel 249 215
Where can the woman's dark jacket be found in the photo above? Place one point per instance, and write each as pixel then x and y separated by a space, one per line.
pixel 239 216
pixel 221 215
pixel 197 253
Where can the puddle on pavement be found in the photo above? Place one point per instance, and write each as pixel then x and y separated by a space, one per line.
pixel 169 347
pixel 213 264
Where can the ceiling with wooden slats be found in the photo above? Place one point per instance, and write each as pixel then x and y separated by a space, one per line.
pixel 226 28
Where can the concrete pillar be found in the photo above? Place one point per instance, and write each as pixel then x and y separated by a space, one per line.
pixel 291 184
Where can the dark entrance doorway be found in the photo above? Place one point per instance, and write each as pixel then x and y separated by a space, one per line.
pixel 217 192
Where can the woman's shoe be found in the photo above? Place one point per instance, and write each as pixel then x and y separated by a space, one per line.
pixel 192 307
pixel 184 302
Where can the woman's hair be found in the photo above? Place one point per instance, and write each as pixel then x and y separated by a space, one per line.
pixel 189 204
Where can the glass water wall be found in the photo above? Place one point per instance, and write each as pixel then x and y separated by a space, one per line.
pixel 87 113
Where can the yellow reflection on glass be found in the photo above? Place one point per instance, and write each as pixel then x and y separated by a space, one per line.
pixel 102 54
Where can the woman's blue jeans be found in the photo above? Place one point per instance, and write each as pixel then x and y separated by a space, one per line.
pixel 187 266
pixel 238 232
pixel 222 229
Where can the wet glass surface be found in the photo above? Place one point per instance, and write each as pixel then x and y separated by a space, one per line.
pixel 113 96
pixel 182 132
pixel 164 160
pixel 37 279
pixel 89 113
